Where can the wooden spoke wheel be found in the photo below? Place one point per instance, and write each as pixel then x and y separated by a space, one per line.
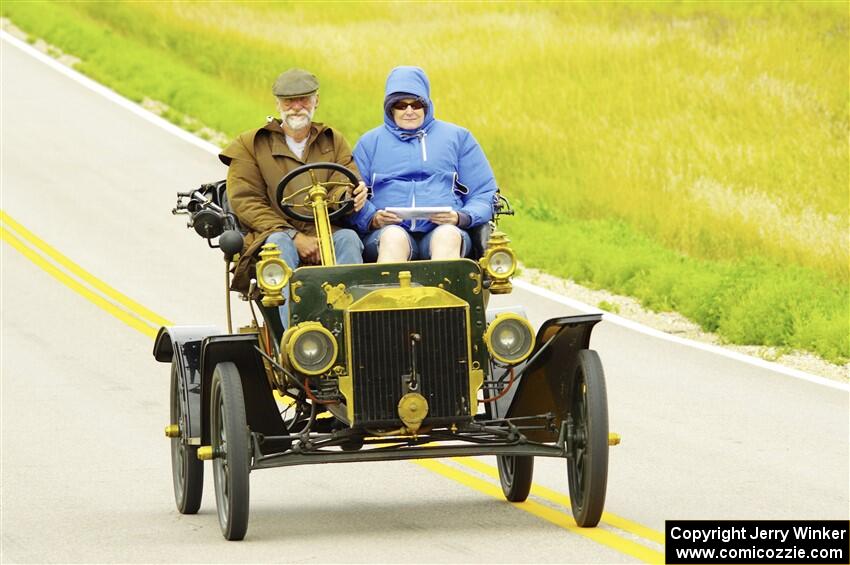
pixel 515 474
pixel 187 471
pixel 231 450
pixel 587 444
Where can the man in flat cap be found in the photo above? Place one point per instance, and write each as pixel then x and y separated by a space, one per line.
pixel 259 158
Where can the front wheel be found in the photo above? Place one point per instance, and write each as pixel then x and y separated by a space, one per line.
pixel 231 448
pixel 187 471
pixel 515 474
pixel 587 444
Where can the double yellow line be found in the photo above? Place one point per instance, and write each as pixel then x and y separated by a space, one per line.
pixel 77 279
pixel 615 532
pixel 606 535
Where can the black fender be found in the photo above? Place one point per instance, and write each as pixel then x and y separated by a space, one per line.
pixel 182 344
pixel 543 382
pixel 261 409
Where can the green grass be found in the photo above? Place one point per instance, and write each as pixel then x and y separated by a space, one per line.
pixel 749 302
pixel 692 155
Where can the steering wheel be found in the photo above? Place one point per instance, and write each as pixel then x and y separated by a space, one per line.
pixel 288 205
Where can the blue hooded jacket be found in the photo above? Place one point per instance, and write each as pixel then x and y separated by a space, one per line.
pixel 440 164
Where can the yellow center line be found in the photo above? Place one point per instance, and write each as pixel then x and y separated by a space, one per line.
pixel 147 323
pixel 563 500
pixel 53 271
pixel 82 274
pixel 560 519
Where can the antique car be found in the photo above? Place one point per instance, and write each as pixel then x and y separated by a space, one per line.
pixel 378 362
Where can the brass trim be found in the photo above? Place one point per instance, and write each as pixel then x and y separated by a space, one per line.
pixel 338 296
pixel 172 431
pixel 251 328
pixel 346 389
pixel 477 278
pixel 501 287
pixel 293 291
pixel 412 409
pixel 410 298
pixel 476 379
pixel 407 298
pixel 324 233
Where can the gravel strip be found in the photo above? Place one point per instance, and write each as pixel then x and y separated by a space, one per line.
pixel 676 324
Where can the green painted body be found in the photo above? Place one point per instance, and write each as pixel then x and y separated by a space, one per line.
pixel 460 277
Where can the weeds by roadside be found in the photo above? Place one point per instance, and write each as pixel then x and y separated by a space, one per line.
pixel 693 158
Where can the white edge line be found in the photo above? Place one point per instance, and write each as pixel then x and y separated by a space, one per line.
pixel 575 304
pixel 109 94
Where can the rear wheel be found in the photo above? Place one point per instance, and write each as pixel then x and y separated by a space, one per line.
pixel 187 471
pixel 587 444
pixel 231 448
pixel 515 474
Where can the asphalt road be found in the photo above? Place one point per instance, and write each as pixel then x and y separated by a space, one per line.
pixel 86 470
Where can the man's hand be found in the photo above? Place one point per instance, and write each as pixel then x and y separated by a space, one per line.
pixel 383 218
pixel 308 249
pixel 444 218
pixel 360 194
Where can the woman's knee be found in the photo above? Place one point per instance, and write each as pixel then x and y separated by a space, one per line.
pixel 446 234
pixel 394 235
pixel 445 242
pixel 395 243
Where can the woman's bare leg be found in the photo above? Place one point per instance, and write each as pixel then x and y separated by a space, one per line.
pixel 445 243
pixel 394 246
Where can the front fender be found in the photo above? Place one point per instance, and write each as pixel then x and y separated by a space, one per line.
pixel 169 339
pixel 261 409
pixel 544 381
pixel 182 345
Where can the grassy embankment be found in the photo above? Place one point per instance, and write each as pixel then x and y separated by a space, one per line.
pixel 693 156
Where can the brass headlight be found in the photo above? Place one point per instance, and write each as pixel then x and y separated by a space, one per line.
pixel 310 348
pixel 510 338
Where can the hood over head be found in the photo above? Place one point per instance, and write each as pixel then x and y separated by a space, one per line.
pixel 401 83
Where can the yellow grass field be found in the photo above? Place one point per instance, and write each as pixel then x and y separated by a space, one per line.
pixel 720 130
pixel 668 150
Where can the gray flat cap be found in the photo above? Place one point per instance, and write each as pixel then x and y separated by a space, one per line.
pixel 294 83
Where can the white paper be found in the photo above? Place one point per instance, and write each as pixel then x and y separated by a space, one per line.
pixel 418 213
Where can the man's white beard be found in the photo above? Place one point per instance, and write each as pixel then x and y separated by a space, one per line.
pixel 297 119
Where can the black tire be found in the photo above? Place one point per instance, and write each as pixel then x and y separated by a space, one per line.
pixel 515 474
pixel 231 445
pixel 587 465
pixel 187 471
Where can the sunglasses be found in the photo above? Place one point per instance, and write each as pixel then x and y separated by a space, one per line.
pixel 402 105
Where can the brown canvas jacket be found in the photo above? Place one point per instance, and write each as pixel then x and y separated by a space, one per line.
pixel 257 160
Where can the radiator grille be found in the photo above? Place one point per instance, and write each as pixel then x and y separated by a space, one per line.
pixel 381 354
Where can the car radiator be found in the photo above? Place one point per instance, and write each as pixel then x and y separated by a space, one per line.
pixel 382 360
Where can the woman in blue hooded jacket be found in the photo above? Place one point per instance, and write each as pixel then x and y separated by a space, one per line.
pixel 414 160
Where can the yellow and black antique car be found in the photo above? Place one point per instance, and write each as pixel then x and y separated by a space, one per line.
pixel 378 360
